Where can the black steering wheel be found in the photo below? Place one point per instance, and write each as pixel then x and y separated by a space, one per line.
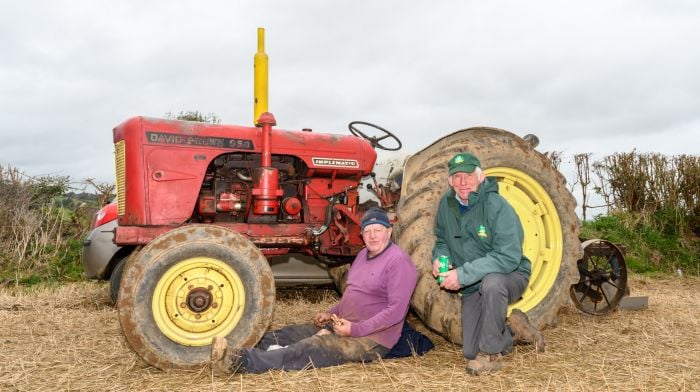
pixel 374 140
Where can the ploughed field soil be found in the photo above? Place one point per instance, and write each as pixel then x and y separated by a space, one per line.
pixel 68 338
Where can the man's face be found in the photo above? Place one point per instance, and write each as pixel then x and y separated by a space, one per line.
pixel 464 183
pixel 376 238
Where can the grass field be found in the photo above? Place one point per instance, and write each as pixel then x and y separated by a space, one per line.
pixel 68 338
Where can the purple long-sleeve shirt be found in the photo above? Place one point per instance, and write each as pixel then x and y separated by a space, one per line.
pixel 378 294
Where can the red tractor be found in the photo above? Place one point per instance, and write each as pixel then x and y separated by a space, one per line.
pixel 209 203
pixel 205 205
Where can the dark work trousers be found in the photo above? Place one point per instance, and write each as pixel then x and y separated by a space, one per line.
pixel 305 348
pixel 484 314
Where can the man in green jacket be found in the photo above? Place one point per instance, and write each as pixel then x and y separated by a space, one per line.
pixel 482 236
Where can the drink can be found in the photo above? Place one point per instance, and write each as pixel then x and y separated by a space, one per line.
pixel 444 266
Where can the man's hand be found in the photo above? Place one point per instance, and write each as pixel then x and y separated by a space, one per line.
pixel 436 268
pixel 451 281
pixel 342 328
pixel 321 319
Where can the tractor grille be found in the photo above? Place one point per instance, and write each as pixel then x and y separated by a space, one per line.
pixel 120 165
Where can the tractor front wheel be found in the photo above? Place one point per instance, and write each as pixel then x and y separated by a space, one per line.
pixel 190 285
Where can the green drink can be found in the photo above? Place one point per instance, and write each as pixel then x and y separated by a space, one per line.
pixel 444 266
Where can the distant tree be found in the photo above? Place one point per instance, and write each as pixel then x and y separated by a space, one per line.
pixel 194 115
pixel 583 178
pixel 104 191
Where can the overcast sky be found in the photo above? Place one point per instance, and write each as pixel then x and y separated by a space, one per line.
pixel 585 76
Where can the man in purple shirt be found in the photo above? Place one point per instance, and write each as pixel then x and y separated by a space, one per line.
pixel 370 314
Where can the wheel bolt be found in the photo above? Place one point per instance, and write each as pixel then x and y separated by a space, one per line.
pixel 210 287
pixel 182 305
pixel 198 316
pixel 214 305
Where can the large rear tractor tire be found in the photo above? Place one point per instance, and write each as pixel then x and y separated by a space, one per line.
pixel 189 285
pixel 339 276
pixel 537 192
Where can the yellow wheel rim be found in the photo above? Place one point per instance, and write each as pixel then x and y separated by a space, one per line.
pixel 197 299
pixel 543 243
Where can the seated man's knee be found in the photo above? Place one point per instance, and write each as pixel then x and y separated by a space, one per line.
pixel 494 283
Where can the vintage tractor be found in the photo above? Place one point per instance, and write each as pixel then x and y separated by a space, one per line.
pixel 205 205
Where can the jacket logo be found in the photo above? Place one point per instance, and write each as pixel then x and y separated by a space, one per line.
pixel 481 232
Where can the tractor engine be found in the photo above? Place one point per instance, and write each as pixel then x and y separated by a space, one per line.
pixel 227 190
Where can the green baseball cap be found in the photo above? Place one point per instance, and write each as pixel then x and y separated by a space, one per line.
pixel 463 162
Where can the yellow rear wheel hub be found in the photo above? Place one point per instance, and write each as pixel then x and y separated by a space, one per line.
pixel 197 299
pixel 543 243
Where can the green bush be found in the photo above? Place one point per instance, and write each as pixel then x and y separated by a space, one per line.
pixel 657 242
pixel 43 227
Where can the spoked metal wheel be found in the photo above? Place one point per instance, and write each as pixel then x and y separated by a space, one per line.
pixel 603 278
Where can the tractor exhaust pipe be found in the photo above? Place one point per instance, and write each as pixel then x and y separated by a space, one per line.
pixel 260 82
pixel 266 188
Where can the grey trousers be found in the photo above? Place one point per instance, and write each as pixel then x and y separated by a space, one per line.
pixel 484 314
pixel 305 348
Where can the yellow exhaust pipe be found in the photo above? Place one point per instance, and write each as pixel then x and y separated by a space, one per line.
pixel 260 88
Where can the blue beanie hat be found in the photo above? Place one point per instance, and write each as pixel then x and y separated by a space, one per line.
pixel 374 215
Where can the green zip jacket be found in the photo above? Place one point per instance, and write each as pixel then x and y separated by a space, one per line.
pixel 487 238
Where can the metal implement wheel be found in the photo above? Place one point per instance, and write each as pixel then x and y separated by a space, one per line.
pixel 537 192
pixel 189 285
pixel 373 140
pixel 603 278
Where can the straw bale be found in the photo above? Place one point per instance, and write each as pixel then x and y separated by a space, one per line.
pixel 68 338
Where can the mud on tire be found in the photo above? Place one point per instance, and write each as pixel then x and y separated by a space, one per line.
pixel 539 195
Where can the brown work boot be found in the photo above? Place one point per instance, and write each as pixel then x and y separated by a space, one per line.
pixel 484 364
pixel 224 362
pixel 523 331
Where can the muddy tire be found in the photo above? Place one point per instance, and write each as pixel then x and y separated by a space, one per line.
pixel 339 276
pixel 189 285
pixel 115 280
pixel 539 196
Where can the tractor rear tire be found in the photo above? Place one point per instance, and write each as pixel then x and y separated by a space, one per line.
pixel 339 276
pixel 538 193
pixel 190 285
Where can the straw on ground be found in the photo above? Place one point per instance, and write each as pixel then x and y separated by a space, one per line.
pixel 68 338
